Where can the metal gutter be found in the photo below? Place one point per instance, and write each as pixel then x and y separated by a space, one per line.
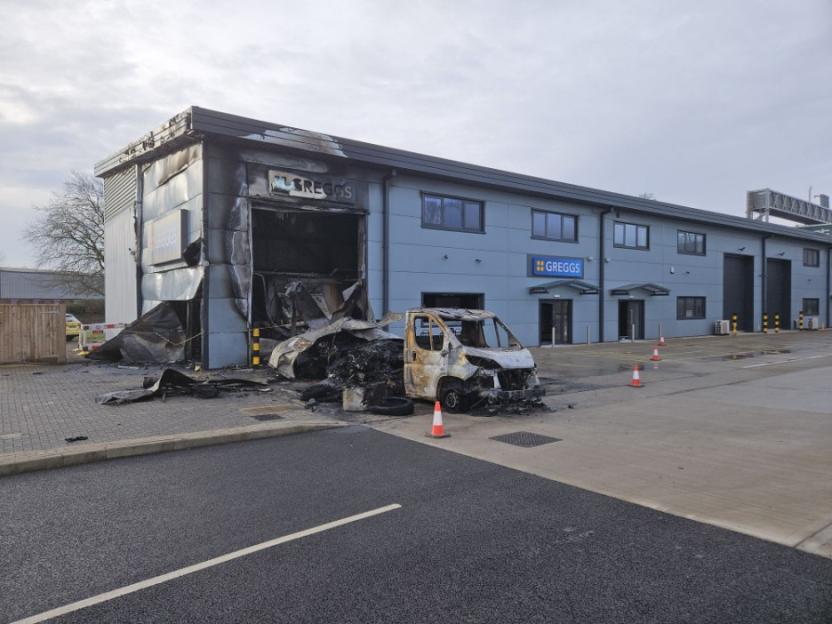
pixel 385 244
pixel 764 275
pixel 601 271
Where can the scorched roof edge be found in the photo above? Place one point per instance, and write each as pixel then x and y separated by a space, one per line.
pixel 210 122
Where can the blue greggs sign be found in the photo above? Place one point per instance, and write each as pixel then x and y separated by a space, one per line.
pixel 556 266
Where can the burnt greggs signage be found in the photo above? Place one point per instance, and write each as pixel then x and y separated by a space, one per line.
pixel 307 187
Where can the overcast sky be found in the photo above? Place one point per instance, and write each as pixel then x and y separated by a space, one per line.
pixel 695 102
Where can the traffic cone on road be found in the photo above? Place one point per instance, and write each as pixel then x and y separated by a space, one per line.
pixel 655 357
pixel 661 342
pixel 438 428
pixel 636 382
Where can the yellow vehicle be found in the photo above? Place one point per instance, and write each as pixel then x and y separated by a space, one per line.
pixel 73 327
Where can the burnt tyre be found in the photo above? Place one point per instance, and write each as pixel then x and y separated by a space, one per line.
pixel 392 406
pixel 453 398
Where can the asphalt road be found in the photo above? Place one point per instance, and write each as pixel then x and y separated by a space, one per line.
pixel 472 542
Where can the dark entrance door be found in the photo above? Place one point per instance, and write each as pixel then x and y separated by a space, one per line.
pixel 631 319
pixel 557 314
pixel 779 291
pixel 738 290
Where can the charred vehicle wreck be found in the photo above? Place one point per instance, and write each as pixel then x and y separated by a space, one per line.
pixel 465 358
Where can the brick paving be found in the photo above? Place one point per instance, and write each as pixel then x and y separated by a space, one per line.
pixel 40 405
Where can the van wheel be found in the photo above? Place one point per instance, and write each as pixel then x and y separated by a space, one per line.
pixel 452 398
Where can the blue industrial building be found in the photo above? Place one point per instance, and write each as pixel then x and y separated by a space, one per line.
pixel 240 223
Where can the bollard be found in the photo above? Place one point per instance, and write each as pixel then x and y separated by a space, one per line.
pixel 734 324
pixel 765 322
pixel 588 334
pixel 777 323
pixel 553 335
pixel 801 320
pixel 633 332
pixel 255 346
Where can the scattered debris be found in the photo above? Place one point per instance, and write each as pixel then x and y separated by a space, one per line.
pixel 392 406
pixel 76 439
pixel 156 337
pixel 307 355
pixel 171 382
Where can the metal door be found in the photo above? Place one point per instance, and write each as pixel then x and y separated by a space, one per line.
pixel 738 290
pixel 631 319
pixel 556 321
pixel 779 292
pixel 425 355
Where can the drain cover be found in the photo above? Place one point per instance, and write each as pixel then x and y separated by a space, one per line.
pixel 525 439
pixel 267 417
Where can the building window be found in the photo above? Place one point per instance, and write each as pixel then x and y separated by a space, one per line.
pixel 811 257
pixel 690 243
pixel 811 307
pixel 631 236
pixel 689 308
pixel 554 226
pixel 452 213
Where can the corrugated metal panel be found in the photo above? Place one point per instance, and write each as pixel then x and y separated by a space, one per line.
pixel 120 269
pixel 119 192
pixel 34 284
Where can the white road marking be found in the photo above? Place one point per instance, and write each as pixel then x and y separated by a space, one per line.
pixel 788 361
pixel 163 578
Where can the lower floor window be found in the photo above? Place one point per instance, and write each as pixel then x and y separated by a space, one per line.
pixel 811 307
pixel 690 308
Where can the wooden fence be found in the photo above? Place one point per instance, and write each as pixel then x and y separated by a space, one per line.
pixel 32 332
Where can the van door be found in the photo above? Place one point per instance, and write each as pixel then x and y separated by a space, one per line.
pixel 425 356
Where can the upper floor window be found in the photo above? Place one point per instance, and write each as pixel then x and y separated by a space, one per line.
pixel 631 235
pixel 690 243
pixel 452 213
pixel 554 226
pixel 811 257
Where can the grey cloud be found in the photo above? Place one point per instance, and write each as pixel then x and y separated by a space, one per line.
pixel 694 102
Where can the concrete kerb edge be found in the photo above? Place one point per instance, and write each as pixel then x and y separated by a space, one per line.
pixel 89 453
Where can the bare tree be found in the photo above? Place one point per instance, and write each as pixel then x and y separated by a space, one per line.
pixel 68 234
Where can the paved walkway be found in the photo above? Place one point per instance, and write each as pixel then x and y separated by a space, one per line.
pixel 40 406
pixel 741 442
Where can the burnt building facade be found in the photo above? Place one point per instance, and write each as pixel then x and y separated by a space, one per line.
pixel 238 223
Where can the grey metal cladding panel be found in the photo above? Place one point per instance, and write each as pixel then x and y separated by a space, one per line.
pixel 174 192
pixel 163 169
pixel 242 128
pixel 119 192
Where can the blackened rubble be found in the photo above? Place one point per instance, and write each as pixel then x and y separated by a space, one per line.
pixel 155 337
pixel 171 383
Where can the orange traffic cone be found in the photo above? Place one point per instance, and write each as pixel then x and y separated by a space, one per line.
pixel 655 357
pixel 661 342
pixel 636 382
pixel 438 428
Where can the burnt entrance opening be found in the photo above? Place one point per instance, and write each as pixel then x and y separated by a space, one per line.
pixel 305 265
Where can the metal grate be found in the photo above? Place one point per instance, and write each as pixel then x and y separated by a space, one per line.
pixel 526 439
pixel 267 417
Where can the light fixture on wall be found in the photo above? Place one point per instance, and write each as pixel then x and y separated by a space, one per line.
pixel 477 260
pixel 445 257
pixel 741 249
pixel 590 259
pixel 782 253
